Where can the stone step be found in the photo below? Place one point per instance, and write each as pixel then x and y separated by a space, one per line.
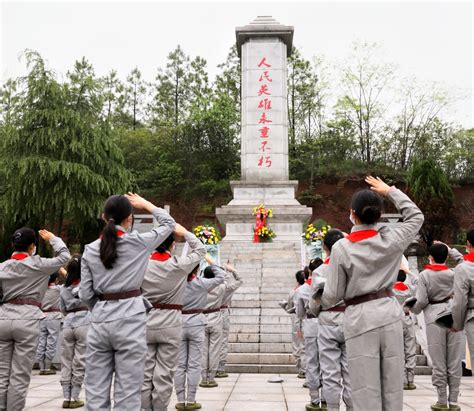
pixel 261 369
pixel 245 337
pixel 260 358
pixel 423 370
pixel 264 319
pixel 259 347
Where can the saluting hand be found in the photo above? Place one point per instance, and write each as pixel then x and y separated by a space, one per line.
pixel 139 202
pixel 46 235
pixel 377 185
pixel 209 259
pixel 179 230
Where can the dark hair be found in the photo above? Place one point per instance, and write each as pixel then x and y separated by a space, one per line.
pixel 306 272
pixel 402 276
pixel 315 263
pixel 367 205
pixel 195 270
pixel 166 245
pixel 439 252
pixel 117 208
pixel 332 237
pixel 23 238
pixel 53 277
pixel 73 269
pixel 208 273
pixel 300 277
pixel 470 237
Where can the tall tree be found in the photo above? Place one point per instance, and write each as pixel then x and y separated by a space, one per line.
pixel 134 97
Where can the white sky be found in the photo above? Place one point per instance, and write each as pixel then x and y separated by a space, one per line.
pixel 430 40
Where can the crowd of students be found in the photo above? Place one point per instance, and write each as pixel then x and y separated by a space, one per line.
pixel 132 314
pixel 145 320
pixel 353 314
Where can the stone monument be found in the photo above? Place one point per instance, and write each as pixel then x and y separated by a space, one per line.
pixel 263 47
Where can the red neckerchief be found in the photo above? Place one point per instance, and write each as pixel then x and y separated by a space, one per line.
pixel 357 236
pixel 327 261
pixel 192 278
pixel 436 267
pixel 309 280
pixel 76 282
pixel 469 257
pixel 19 256
pixel 120 233
pixel 160 256
pixel 400 286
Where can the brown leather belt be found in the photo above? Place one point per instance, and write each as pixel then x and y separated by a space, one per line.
pixel 445 300
pixel 119 296
pixel 52 310
pixel 160 306
pixel 224 307
pixel 368 297
pixel 211 310
pixel 75 310
pixel 24 301
pixel 192 311
pixel 338 309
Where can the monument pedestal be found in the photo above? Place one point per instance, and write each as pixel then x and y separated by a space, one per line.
pixel 289 216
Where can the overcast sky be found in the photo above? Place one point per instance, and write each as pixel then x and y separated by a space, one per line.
pixel 430 40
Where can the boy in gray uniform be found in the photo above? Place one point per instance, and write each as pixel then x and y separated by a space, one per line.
pixel 194 321
pixel 163 286
pixel 331 342
pixel 362 271
pixel 75 326
pixel 233 282
pixel 23 282
pixel 434 293
pixel 113 268
pixel 463 301
pixel 50 326
pixel 310 333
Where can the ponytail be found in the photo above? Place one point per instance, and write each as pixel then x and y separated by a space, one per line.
pixel 368 206
pixel 73 269
pixel 117 209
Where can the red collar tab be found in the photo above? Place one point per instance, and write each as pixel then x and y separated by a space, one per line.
pixel 76 282
pixel 160 256
pixel 400 286
pixel 436 267
pixel 192 278
pixel 309 280
pixel 327 261
pixel 357 236
pixel 120 233
pixel 469 257
pixel 19 256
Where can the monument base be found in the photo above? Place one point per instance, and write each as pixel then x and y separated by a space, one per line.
pixel 289 216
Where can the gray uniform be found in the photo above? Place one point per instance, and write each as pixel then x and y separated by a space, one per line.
pixel 445 347
pixel 402 291
pixel 19 324
pixel 212 333
pixel 116 341
pixel 297 338
pixel 232 285
pixel 73 348
pixel 192 341
pixel 310 332
pixel 332 354
pixel 49 328
pixel 463 301
pixel 164 283
pixel 373 329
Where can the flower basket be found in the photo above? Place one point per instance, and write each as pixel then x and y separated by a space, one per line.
pixel 313 238
pixel 208 234
pixel 261 232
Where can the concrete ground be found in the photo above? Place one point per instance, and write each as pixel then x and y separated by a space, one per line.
pixel 250 392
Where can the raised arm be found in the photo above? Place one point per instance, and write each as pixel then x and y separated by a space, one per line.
pixel 51 265
pixel 86 288
pixel 336 279
pixel 211 283
pixel 462 288
pixel 236 282
pixel 198 250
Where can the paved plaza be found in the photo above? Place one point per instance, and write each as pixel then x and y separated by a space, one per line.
pixel 250 392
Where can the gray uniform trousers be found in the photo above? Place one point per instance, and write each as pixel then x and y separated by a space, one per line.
pixel 116 346
pixel 18 340
pixel 210 355
pixel 47 341
pixel 469 328
pixel 187 375
pixel 73 360
pixel 409 345
pixel 160 367
pixel 446 352
pixel 333 360
pixel 376 353
pixel 297 345
pixel 225 339
pixel 313 370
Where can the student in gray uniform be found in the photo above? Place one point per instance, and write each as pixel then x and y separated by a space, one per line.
pixel 163 286
pixel 331 341
pixel 112 272
pixel 23 283
pixel 402 291
pixel 212 334
pixel 433 296
pixel 50 326
pixel 310 334
pixel 233 282
pixel 75 327
pixel 463 301
pixel 192 341
pixel 362 271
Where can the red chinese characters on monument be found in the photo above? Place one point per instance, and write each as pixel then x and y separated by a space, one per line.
pixel 265 104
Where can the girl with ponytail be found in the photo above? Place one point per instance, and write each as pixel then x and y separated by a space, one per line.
pixel 112 272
